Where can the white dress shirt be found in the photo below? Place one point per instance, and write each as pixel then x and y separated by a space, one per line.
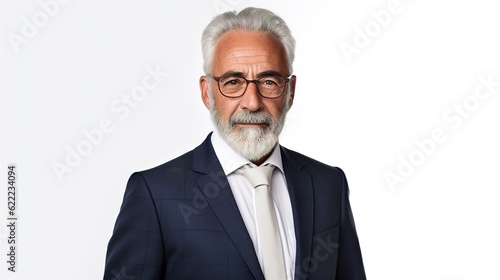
pixel 243 193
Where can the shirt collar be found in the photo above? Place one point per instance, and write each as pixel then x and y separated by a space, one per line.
pixel 231 160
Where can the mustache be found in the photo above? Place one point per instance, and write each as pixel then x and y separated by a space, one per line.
pixel 250 117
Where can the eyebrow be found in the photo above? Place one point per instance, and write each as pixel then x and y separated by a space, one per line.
pixel 269 73
pixel 259 75
pixel 233 74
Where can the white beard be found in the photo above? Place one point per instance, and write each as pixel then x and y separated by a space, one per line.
pixel 250 142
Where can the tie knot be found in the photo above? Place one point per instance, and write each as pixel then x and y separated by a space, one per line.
pixel 258 176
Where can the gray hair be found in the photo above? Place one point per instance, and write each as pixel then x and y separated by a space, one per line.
pixel 252 19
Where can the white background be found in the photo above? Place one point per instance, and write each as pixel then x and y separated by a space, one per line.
pixel 362 112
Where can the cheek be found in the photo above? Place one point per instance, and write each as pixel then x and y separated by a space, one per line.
pixel 276 108
pixel 226 108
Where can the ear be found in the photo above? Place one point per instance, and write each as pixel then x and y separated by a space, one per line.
pixel 204 91
pixel 292 82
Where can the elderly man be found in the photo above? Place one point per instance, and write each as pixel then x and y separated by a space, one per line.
pixel 239 206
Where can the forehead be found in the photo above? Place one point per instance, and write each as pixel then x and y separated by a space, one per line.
pixel 248 51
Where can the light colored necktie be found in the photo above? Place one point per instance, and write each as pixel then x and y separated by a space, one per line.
pixel 267 222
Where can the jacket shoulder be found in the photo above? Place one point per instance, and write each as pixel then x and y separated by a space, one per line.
pixel 182 170
pixel 179 163
pixel 185 161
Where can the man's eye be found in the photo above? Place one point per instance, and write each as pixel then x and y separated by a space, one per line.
pixel 232 82
pixel 269 82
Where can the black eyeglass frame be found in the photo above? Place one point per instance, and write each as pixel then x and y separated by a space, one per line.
pixel 217 79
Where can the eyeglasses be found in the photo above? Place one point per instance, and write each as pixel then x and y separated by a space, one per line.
pixel 267 86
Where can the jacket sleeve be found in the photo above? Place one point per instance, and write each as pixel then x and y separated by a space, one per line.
pixel 135 250
pixel 350 262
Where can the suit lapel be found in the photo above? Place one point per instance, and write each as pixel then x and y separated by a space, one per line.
pixel 213 183
pixel 300 189
pixel 213 180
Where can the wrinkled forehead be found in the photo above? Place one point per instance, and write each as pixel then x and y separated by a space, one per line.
pixel 248 51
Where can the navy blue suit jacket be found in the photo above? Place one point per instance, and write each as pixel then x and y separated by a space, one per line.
pixel 180 221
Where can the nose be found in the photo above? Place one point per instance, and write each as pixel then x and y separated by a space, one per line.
pixel 251 100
